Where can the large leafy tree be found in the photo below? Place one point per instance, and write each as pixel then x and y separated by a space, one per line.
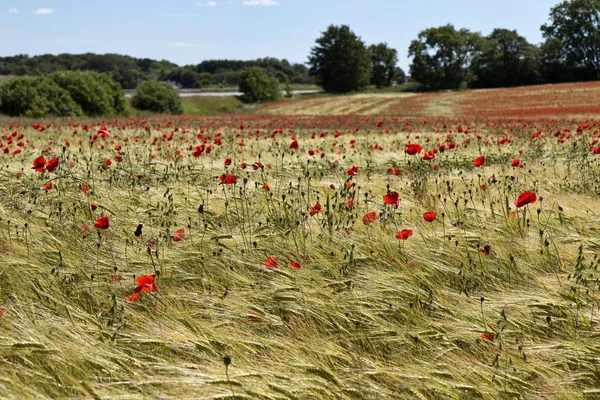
pixel 97 94
pixel 576 24
pixel 36 97
pixel 257 86
pixel 442 56
pixel 383 64
pixel 506 59
pixel 340 61
pixel 157 97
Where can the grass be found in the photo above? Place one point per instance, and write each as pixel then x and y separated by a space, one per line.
pixel 200 105
pixel 366 316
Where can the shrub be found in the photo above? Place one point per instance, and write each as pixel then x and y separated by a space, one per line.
pixel 97 94
pixel 36 97
pixel 157 97
pixel 257 86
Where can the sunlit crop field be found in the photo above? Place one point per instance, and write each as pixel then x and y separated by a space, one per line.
pixel 300 257
pixel 567 100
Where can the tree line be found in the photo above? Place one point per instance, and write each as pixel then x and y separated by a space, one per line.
pixel 130 71
pixel 447 58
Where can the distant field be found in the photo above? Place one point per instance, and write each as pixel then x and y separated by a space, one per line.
pixel 210 105
pixel 562 100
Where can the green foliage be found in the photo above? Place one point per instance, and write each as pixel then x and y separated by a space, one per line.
pixel 129 71
pixel 97 94
pixel 340 61
pixel 383 65
pixel 125 70
pixel 576 24
pixel 257 86
pixel 506 59
pixel 157 97
pixel 400 75
pixel 442 56
pixel 36 97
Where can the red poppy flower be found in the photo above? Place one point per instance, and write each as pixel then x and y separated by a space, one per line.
pixel 353 171
pixel 370 217
pixel 93 206
pixel 133 297
pixel 227 179
pixel 430 216
pixel 180 234
pixel 102 223
pixel 392 198
pixel 295 265
pixel 145 284
pixel 107 163
pixel 256 166
pixel 393 171
pixel 515 162
pixel 596 150
pixel 198 151
pixel 266 187
pixel 412 149
pixel 405 234
pixel 525 198
pixel 39 164
pixel 227 161
pixel 271 263
pixel 430 155
pixel 294 144
pixel 48 186
pixel 478 162
pixel 316 209
pixel 85 188
pixel 488 336
pixel 350 203
pixel 52 164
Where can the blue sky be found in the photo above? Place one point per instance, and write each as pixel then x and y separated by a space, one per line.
pixel 189 31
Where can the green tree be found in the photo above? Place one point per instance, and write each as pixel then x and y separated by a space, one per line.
pixel 340 61
pixel 400 75
pixel 506 59
pixel 576 24
pixel 555 67
pixel 383 64
pixel 36 97
pixel 97 94
pixel 156 97
pixel 442 56
pixel 257 86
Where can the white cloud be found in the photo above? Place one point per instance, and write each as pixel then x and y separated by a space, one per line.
pixel 182 44
pixel 44 11
pixel 13 10
pixel 206 3
pixel 260 3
